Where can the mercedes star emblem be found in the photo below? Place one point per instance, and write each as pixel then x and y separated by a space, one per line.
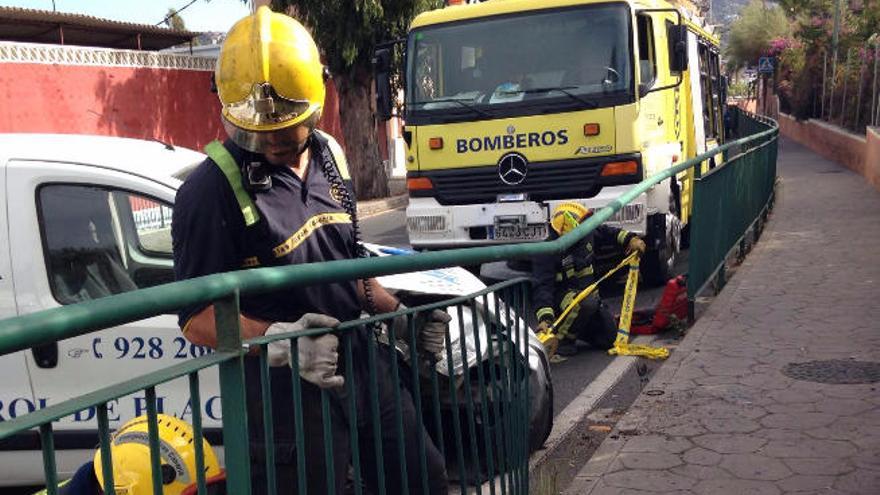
pixel 512 168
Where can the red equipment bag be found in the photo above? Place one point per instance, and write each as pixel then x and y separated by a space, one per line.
pixel 642 323
pixel 673 302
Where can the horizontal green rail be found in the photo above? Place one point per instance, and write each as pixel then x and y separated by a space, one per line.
pixel 24 332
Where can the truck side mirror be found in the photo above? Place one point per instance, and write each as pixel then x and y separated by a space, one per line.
pixel 382 74
pixel 678 52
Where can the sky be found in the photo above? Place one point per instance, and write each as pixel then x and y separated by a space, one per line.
pixel 203 15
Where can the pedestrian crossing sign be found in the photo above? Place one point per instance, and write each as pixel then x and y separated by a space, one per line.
pixel 765 65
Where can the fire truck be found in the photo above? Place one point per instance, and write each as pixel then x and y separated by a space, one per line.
pixel 514 106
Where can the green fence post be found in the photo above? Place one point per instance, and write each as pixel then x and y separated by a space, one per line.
pixel 484 403
pixel 233 397
pixel 374 408
pixel 469 399
pixel 198 442
pixel 268 421
pixel 496 395
pixel 398 404
pixel 106 454
pixel 456 414
pixel 48 445
pixel 417 399
pixel 153 436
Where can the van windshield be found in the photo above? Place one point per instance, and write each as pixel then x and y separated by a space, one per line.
pixel 573 58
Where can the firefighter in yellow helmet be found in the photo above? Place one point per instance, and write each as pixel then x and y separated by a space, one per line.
pixel 278 193
pixel 130 457
pixel 558 279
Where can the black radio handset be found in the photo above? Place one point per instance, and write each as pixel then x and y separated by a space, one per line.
pixel 257 178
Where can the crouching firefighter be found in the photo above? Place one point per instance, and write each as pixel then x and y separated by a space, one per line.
pixel 557 280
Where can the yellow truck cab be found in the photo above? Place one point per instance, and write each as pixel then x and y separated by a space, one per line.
pixel 513 106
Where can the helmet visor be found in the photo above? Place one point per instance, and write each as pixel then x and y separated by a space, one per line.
pixel 263 142
pixel 263 107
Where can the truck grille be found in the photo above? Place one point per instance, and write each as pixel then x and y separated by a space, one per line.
pixel 545 181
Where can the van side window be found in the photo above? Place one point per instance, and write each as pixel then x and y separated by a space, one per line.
pixel 647 59
pixel 100 242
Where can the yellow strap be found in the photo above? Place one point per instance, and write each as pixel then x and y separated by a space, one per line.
pixel 622 347
pixel 592 287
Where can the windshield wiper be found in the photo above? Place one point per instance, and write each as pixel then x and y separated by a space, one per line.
pixel 463 103
pixel 564 90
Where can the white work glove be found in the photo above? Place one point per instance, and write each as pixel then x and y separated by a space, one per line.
pixel 318 356
pixel 431 328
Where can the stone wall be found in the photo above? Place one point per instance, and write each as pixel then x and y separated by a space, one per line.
pixel 872 157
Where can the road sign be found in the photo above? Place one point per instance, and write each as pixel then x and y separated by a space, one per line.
pixel 765 65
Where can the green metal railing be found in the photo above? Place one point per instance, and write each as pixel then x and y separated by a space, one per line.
pixel 489 411
pixel 730 199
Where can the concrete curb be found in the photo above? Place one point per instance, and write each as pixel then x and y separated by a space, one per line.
pixel 376 206
pixel 570 424
pixel 565 423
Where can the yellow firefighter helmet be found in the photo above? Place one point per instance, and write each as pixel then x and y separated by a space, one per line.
pixel 567 216
pixel 269 77
pixel 130 453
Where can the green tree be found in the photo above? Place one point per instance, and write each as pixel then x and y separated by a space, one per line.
pixel 347 32
pixel 174 21
pixel 751 33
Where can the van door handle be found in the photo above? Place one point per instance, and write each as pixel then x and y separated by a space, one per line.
pixel 46 355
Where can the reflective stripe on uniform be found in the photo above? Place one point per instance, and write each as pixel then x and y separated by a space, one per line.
pixel 584 272
pixel 545 311
pixel 621 236
pixel 570 273
pixel 306 230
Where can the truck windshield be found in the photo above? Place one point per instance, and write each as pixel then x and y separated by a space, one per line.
pixel 501 66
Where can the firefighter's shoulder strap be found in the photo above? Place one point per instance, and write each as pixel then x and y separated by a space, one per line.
pixel 224 159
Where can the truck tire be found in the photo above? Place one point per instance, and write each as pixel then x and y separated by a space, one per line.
pixel 658 263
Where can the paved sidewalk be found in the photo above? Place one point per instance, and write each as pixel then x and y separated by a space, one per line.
pixel 720 416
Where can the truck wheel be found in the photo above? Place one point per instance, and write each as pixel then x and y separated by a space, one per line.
pixel 658 262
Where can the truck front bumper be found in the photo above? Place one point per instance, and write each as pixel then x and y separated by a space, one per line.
pixel 431 225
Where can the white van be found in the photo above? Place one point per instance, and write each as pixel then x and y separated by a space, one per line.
pixel 83 217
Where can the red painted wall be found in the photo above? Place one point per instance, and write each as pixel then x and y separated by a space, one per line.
pixel 172 105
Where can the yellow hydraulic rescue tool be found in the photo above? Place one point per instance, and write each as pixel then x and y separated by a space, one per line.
pixel 622 347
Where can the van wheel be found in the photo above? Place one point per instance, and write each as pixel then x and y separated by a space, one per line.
pixel 658 263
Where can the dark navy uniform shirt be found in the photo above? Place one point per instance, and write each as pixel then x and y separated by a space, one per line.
pixel 301 222
pixel 553 275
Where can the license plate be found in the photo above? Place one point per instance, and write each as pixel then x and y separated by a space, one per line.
pixel 510 232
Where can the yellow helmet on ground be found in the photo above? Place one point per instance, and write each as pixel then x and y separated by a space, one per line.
pixel 269 76
pixel 567 216
pixel 130 453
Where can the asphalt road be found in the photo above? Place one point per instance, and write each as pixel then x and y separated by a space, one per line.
pixel 386 228
pixel 569 377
